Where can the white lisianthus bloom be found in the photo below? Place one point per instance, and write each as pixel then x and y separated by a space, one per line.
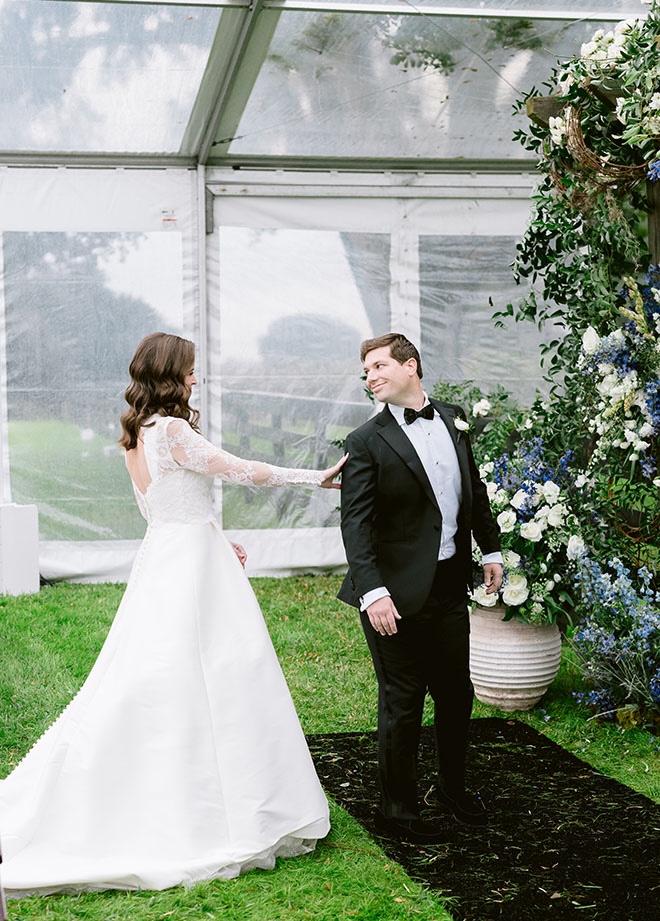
pixel 491 489
pixel 556 515
pixel 532 530
pixel 486 468
pixel 506 521
pixel 461 424
pixel 550 492
pixel 590 340
pixel 482 408
pixel 576 547
pixel 484 600
pixel 511 558
pixel 519 499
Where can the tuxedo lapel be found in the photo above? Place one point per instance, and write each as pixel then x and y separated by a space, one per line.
pixel 448 416
pixel 390 430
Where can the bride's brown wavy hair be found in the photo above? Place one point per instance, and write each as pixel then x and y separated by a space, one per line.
pixel 158 371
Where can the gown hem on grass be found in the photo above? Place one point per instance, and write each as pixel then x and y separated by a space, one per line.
pixel 181 758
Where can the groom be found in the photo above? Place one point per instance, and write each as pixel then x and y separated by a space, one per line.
pixel 411 499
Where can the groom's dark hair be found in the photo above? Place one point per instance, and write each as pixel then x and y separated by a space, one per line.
pixel 401 349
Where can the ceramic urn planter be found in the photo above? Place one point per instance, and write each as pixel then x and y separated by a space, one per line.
pixel 512 664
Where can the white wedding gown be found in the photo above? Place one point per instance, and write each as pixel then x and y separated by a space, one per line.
pixel 181 758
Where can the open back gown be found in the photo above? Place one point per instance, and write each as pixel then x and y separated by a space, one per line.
pixel 181 758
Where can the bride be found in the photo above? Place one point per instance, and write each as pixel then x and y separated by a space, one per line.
pixel 181 758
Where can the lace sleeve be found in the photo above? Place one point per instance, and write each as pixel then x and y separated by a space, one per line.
pixel 189 449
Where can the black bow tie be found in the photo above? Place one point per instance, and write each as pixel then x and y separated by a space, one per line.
pixel 426 412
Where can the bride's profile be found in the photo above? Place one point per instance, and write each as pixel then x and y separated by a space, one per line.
pixel 181 758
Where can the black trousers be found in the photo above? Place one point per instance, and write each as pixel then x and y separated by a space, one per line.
pixel 429 653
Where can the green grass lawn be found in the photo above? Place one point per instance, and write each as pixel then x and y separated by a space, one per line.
pixel 49 642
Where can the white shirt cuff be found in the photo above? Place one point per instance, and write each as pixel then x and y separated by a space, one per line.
pixel 495 557
pixel 372 596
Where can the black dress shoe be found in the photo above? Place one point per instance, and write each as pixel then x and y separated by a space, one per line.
pixel 465 807
pixel 412 830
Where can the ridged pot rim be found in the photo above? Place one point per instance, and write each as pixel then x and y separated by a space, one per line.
pixel 500 609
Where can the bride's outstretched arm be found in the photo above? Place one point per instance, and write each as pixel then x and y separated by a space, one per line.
pixel 190 449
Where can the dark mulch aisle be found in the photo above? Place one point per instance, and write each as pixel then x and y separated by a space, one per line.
pixel 563 841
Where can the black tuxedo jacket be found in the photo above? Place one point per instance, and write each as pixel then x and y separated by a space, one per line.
pixel 391 523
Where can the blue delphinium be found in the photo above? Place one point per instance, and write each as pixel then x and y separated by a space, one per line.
pixel 653 173
pixel 618 641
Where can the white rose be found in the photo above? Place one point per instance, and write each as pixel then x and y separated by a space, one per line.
pixel 515 594
pixel 484 600
pixel 481 408
pixel 531 530
pixel 520 498
pixel 461 424
pixel 517 579
pixel 486 468
pixel 511 558
pixel 550 492
pixel 556 515
pixel 506 521
pixel 576 547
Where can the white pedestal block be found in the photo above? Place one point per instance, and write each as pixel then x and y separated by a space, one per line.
pixel 19 549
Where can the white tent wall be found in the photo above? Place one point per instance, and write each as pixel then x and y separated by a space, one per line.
pixel 297 268
pixel 93 260
pixel 301 268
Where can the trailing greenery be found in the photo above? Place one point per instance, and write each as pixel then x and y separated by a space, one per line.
pixel 50 641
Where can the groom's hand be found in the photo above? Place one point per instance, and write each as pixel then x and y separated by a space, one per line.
pixel 383 616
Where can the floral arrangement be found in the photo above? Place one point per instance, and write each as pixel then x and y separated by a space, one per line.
pixel 494 417
pixel 538 533
pixel 622 380
pixel 618 643
pixel 596 131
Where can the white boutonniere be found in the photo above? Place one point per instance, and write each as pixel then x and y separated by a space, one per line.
pixel 461 424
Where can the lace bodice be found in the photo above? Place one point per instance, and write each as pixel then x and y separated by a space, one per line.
pixel 182 465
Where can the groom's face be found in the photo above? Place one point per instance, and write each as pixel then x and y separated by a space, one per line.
pixel 388 380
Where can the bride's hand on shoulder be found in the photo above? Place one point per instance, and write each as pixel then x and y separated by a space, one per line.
pixel 331 473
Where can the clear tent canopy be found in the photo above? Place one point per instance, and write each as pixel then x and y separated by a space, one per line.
pixel 277 180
